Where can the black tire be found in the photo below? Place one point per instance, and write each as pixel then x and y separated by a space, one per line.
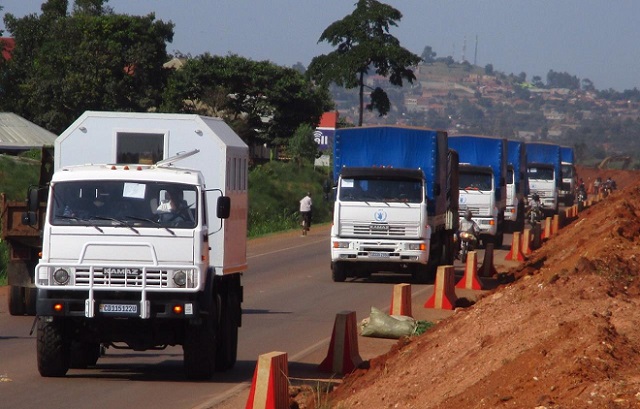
pixel 16 301
pixel 227 347
pixel 84 354
pixel 199 351
pixel 338 272
pixel 30 300
pixel 52 348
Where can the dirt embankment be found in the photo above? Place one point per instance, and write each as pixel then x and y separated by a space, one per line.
pixel 564 334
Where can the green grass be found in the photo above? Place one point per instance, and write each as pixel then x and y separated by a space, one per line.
pixel 275 190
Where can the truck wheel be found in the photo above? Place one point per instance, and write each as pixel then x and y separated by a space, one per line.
pixel 338 272
pixel 84 354
pixel 30 297
pixel 52 349
pixel 16 301
pixel 199 351
pixel 227 348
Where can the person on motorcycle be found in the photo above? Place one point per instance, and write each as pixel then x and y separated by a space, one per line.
pixel 467 225
pixel 535 206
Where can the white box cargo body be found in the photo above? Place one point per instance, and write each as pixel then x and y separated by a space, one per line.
pixel 108 137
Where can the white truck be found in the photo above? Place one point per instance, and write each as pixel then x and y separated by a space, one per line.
pixel 396 202
pixel 121 265
pixel 483 167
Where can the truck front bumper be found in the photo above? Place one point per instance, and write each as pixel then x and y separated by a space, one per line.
pixel 384 251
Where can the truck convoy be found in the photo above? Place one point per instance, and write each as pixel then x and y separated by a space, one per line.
pixel 396 202
pixel 517 185
pixel 143 242
pixel 567 193
pixel 482 171
pixel 543 173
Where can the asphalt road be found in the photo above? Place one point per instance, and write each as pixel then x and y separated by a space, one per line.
pixel 290 306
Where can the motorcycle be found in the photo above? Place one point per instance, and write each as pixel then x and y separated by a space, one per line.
pixel 582 196
pixel 535 215
pixel 468 242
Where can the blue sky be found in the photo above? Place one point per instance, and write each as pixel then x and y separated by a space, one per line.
pixel 594 39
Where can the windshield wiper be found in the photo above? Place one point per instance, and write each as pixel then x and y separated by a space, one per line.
pixel 120 222
pixel 84 222
pixel 144 219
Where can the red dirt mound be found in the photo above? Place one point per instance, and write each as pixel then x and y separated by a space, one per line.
pixel 564 334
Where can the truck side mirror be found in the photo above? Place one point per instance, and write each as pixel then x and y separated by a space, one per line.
pixel 29 218
pixel 503 181
pixel 33 199
pixel 224 207
pixel 436 189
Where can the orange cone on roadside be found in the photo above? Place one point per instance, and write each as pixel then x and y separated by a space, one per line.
pixel 526 242
pixel 270 385
pixel 470 280
pixel 401 300
pixel 546 231
pixel 444 290
pixel 555 224
pixel 515 254
pixel 488 269
pixel 343 355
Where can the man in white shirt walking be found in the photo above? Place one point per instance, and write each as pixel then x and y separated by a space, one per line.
pixel 305 212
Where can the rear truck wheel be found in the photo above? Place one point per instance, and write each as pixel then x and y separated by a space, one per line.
pixel 199 350
pixel 227 348
pixel 84 354
pixel 17 305
pixel 53 352
pixel 30 299
pixel 338 272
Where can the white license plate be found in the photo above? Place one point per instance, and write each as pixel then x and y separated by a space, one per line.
pixel 378 254
pixel 119 308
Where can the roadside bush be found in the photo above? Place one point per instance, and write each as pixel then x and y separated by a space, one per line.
pixel 275 190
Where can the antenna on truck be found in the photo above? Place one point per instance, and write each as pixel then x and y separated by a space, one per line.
pixel 181 155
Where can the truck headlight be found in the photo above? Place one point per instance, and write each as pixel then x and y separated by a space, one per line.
pixel 180 278
pixel 415 246
pixel 340 245
pixel 61 276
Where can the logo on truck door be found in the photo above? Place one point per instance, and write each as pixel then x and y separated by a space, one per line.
pixel 380 215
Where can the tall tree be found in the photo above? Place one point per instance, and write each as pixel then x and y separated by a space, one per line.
pixel 263 102
pixel 91 59
pixel 363 43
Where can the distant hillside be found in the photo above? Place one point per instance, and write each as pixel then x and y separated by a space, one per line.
pixel 17 173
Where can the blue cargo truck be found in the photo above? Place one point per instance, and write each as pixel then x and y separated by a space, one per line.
pixel 482 190
pixel 517 185
pixel 396 202
pixel 543 173
pixel 567 192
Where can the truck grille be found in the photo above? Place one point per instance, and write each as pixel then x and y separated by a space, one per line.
pixel 390 230
pixel 154 278
pixel 475 210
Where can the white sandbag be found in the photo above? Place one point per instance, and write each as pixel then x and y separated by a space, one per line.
pixel 381 325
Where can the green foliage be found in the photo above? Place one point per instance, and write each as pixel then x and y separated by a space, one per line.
pixel 17 173
pixel 363 42
pixel 275 190
pixel 422 327
pixel 244 92
pixel 63 64
pixel 302 147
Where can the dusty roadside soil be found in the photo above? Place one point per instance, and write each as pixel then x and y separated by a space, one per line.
pixel 564 334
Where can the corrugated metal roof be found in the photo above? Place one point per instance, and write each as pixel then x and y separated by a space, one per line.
pixel 16 133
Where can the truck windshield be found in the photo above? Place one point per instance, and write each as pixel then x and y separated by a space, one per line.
pixel 567 171
pixel 540 173
pixel 381 190
pixel 475 181
pixel 124 203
